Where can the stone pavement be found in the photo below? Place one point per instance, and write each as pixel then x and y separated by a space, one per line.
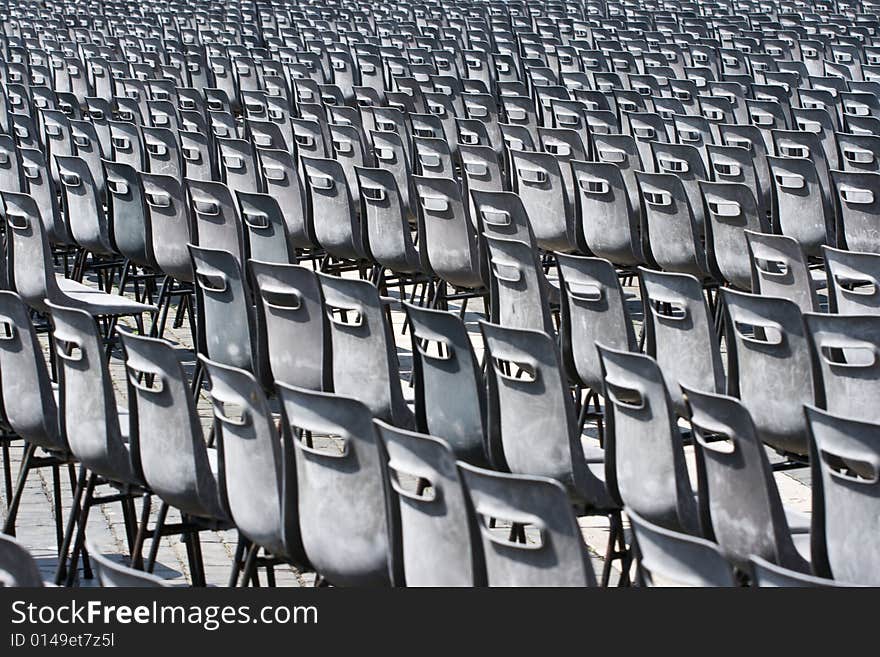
pixel 36 524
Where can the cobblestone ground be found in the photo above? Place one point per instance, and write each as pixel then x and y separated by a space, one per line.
pixel 106 530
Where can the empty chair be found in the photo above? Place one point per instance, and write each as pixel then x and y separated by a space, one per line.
pixel 502 214
pixel 432 535
pixel 675 558
pixel 336 224
pixel 450 395
pixel 593 308
pixel 673 234
pixel 779 269
pixel 388 230
pixel 645 465
pixel 84 211
pixel 688 164
pixel 853 281
pixel 340 497
pixel 216 219
pixel 17 566
pixel 265 228
pixel 844 349
pixel 519 289
pixel 365 365
pixel 844 462
pixel 746 512
pixel 770 368
pixel 281 180
pixel 606 219
pixel 540 185
pixel 730 211
pixel 113 574
pixel 858 198
pixel 859 152
pixel 449 239
pixel 799 210
pixel 32 271
pixel 171 224
pixel 256 467
pixel 680 333
pixel 291 309
pixel 550 550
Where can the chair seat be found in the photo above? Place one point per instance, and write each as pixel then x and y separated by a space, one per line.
pixel 95 301
pixel 593 453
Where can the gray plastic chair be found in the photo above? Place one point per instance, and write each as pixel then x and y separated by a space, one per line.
pixel 645 464
pixel 297 336
pixel 672 231
pixel 197 150
pixel 256 468
pixel 216 219
pixel 779 269
pixel 799 210
pixel 688 163
pixel 553 555
pixel 129 220
pixel 858 198
pixel 365 365
pixel 844 349
pixel 434 157
pixel 858 152
pixel 113 574
pixel 622 151
pixel 677 559
pixel 746 512
pixel 730 210
pixel 680 333
pixel 538 180
pixel 519 289
pixel 769 366
pixel 84 212
pixel 162 150
pixel 17 565
pixel 448 238
pixel 342 509
pixel 282 180
pixel 337 227
pixel 450 395
pixel 853 281
pixel 433 542
pixel 844 462
pixel 32 267
pixel 265 228
pixel 41 187
pixel 608 222
pixel 170 223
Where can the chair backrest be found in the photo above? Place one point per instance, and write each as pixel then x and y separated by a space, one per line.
pixel 539 183
pixel 170 224
pixel 85 214
pixel 730 210
pixel 28 401
pixel 680 333
pixel 553 551
pixel 40 185
pixel 216 219
pixel 644 453
pixel 530 412
pixel 622 151
pixel 735 164
pixel 678 559
pixel 858 197
pixel 750 137
pixel 449 238
pixel 342 511
pixel 163 152
pixel 768 575
pixel 297 333
pixel 281 179
pixel 519 288
pixel 389 234
pixel 256 462
pixel 673 234
pixel 87 402
pixel 606 218
pixel 853 281
pixel 128 215
pixel 337 227
pixel 167 429
pixel 844 463
pixel 746 512
pixel 265 228
pixel 231 334
pixel 502 214
pixel 450 394
pixel 114 574
pixel 769 366
pixel 17 565
pixel 687 163
pixel 593 309
pixel 431 532
pixel 365 365
pixel 780 269
pixel 197 149
pixel 859 152
pixel 799 210
pixel 845 352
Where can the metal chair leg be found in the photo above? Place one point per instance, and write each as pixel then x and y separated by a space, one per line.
pixel 81 530
pixel 12 511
